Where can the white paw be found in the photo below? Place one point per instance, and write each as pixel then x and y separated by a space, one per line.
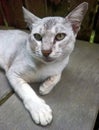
pixel 44 89
pixel 40 111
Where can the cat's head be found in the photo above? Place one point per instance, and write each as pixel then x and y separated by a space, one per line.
pixel 52 38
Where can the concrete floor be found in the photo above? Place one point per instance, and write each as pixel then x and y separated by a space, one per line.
pixel 74 100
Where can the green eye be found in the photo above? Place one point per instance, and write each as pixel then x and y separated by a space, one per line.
pixel 38 37
pixel 60 36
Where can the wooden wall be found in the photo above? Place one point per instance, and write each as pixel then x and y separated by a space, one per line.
pixel 11 12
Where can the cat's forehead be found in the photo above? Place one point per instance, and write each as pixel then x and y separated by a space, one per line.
pixel 49 22
pixel 52 24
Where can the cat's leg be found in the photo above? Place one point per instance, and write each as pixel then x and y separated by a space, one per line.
pixel 39 110
pixel 49 84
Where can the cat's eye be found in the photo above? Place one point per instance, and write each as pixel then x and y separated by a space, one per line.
pixel 60 36
pixel 38 37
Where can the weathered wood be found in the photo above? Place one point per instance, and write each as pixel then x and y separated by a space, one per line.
pixel 36 7
pixel 74 101
pixel 5 88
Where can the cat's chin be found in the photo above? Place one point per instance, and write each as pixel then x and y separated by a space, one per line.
pixel 49 59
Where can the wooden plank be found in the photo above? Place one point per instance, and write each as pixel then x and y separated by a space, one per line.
pixel 17 13
pixel 36 7
pixel 5 87
pixel 74 101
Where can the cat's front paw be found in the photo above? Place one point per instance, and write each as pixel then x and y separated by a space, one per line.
pixel 45 89
pixel 49 84
pixel 40 111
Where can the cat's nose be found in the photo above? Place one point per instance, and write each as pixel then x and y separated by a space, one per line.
pixel 46 53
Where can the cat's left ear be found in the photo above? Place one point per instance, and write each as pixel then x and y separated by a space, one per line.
pixel 29 17
pixel 76 16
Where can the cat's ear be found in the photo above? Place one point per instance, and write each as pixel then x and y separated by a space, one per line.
pixel 29 17
pixel 76 16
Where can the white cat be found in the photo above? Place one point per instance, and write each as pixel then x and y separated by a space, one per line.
pixel 39 56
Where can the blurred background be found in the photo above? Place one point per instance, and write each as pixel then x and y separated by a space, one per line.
pixel 11 15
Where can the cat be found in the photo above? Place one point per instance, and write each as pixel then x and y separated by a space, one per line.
pixel 39 56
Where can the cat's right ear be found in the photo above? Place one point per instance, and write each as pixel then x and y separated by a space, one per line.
pixel 29 17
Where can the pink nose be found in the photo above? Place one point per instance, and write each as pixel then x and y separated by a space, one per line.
pixel 46 52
